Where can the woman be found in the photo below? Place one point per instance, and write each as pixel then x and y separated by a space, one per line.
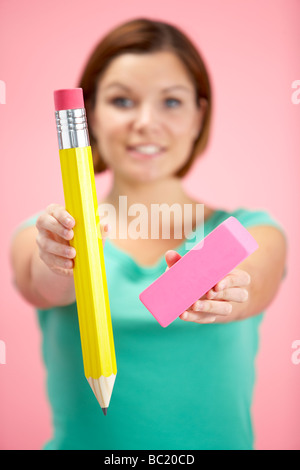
pixel 188 386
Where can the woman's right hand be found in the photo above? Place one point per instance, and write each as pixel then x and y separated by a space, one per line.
pixel 55 230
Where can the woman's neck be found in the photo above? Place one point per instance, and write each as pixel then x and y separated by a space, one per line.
pixel 166 194
pixel 165 191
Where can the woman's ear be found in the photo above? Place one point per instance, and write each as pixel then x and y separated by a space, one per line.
pixel 203 104
pixel 201 111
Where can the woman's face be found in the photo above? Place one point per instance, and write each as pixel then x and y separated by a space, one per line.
pixel 145 118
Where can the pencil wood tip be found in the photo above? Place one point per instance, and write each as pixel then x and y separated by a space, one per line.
pixel 102 389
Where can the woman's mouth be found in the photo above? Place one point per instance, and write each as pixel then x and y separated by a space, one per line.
pixel 145 152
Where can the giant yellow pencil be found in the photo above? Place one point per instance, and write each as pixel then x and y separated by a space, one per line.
pixel 89 268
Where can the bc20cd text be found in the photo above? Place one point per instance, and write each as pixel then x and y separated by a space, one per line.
pixel 170 459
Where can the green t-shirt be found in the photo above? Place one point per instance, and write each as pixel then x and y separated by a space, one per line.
pixel 187 386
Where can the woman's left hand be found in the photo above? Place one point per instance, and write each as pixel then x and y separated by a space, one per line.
pixel 217 304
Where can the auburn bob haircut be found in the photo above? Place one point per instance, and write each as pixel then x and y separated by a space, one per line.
pixel 143 36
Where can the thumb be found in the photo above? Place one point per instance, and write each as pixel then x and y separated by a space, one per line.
pixel 104 232
pixel 171 258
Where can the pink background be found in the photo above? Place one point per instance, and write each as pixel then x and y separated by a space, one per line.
pixel 252 50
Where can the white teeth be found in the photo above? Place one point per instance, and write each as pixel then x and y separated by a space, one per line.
pixel 148 149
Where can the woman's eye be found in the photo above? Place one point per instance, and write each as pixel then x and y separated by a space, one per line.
pixel 122 102
pixel 173 102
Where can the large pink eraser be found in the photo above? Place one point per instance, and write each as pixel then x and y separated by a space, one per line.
pixel 198 271
pixel 71 98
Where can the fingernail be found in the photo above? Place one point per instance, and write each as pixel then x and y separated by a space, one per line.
pixel 228 309
pixel 68 234
pixel 212 294
pixel 72 252
pixel 199 305
pixel 245 295
pixel 69 221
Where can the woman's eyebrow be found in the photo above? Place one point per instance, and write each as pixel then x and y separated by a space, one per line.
pixel 117 84
pixel 180 87
pixel 173 87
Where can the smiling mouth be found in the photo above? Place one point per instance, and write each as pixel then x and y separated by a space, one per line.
pixel 145 151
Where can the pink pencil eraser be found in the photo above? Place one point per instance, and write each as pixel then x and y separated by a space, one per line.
pixel 71 98
pixel 198 271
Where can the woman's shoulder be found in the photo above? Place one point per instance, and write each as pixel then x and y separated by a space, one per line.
pixel 30 221
pixel 248 217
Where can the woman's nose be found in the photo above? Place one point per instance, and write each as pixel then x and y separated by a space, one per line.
pixel 145 117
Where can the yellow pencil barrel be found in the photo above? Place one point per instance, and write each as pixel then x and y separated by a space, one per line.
pixel 89 268
pixel 92 299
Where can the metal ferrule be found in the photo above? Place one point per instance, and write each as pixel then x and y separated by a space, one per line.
pixel 72 130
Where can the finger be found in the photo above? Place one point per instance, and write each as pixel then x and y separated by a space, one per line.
pixel 195 304
pixel 63 272
pixel 55 262
pixel 198 318
pixel 234 294
pixel 59 249
pixel 214 307
pixel 237 278
pixel 48 223
pixel 204 311
pixel 171 257
pixel 61 215
pixel 105 229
